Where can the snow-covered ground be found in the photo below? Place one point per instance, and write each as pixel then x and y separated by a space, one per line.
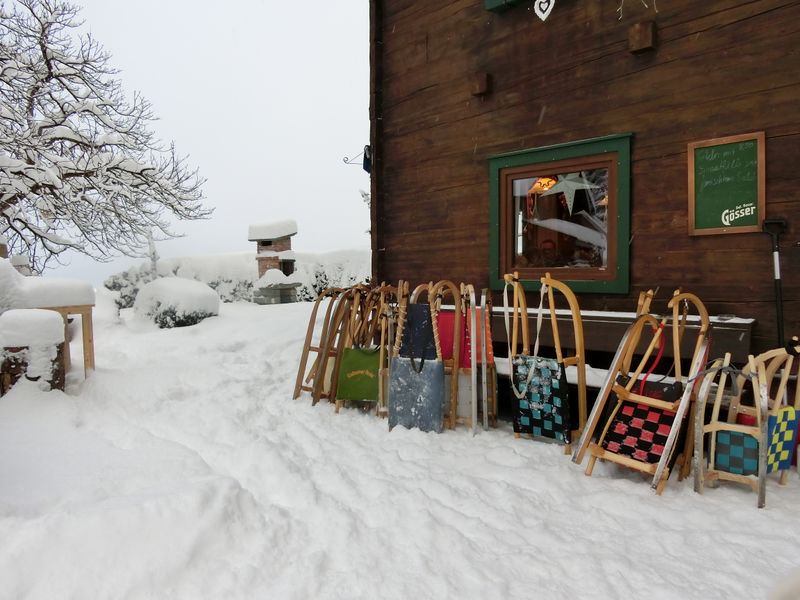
pixel 183 469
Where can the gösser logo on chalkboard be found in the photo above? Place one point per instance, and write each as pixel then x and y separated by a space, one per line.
pixel 727 184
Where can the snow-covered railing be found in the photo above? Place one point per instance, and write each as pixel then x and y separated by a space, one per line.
pixel 602 331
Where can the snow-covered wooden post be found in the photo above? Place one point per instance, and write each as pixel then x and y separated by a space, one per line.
pixel 31 345
pixel 3 246
pixel 274 246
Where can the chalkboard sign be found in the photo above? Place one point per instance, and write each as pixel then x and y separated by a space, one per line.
pixel 727 184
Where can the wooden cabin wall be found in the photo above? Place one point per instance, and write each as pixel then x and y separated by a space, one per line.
pixel 721 67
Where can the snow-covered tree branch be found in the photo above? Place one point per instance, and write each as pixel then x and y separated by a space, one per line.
pixel 79 167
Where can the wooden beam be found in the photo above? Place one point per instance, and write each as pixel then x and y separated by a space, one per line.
pixel 85 312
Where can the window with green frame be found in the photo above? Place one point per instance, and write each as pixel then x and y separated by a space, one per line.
pixel 565 210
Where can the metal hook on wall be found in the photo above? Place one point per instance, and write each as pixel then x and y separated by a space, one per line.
pixel 366 161
pixel 352 161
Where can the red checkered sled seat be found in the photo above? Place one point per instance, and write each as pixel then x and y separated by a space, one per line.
pixel 644 426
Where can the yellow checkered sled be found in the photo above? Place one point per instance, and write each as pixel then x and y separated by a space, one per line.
pixel 728 445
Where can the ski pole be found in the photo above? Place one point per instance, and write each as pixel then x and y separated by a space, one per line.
pixel 775 227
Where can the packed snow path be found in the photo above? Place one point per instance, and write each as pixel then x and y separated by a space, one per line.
pixel 183 469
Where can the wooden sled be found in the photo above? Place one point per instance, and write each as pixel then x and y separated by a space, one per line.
pixel 367 332
pixel 641 430
pixel 416 396
pixel 754 439
pixel 486 358
pixel 538 384
pixel 359 345
pixel 450 327
pixel 316 336
pixel 477 362
pixel 463 333
pixel 332 341
pixel 390 301
pixel 578 357
pixel 621 363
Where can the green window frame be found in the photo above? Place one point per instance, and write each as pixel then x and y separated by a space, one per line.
pixel 610 155
pixel 500 5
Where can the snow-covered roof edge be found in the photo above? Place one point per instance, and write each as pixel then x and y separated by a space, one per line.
pixel 272 231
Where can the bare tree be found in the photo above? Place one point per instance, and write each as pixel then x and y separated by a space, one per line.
pixel 79 167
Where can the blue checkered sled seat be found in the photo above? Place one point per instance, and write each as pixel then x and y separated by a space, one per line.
pixel 736 452
pixel 541 403
pixel 756 436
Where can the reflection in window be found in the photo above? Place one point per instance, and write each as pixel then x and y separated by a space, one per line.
pixel 561 219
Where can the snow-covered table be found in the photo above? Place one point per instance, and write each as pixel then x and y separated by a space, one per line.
pixel 68 297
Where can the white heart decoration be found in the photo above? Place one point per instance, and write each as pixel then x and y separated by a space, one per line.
pixel 543 8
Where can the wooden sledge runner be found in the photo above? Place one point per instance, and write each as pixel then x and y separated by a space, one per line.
pixel 488 365
pixel 390 302
pixel 578 357
pixel 308 376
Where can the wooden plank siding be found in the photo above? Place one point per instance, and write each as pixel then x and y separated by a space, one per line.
pixel 721 67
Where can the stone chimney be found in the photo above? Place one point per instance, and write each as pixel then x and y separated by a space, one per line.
pixel 274 246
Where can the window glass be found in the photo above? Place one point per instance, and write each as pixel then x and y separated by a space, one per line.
pixel 561 220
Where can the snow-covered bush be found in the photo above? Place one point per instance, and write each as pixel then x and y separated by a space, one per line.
pixel 234 275
pixel 176 302
pixel 232 290
pixel 231 275
pixel 127 284
pixel 343 268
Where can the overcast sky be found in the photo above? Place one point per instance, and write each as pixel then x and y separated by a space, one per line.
pixel 265 97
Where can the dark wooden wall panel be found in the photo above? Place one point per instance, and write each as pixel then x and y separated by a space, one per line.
pixel 721 67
